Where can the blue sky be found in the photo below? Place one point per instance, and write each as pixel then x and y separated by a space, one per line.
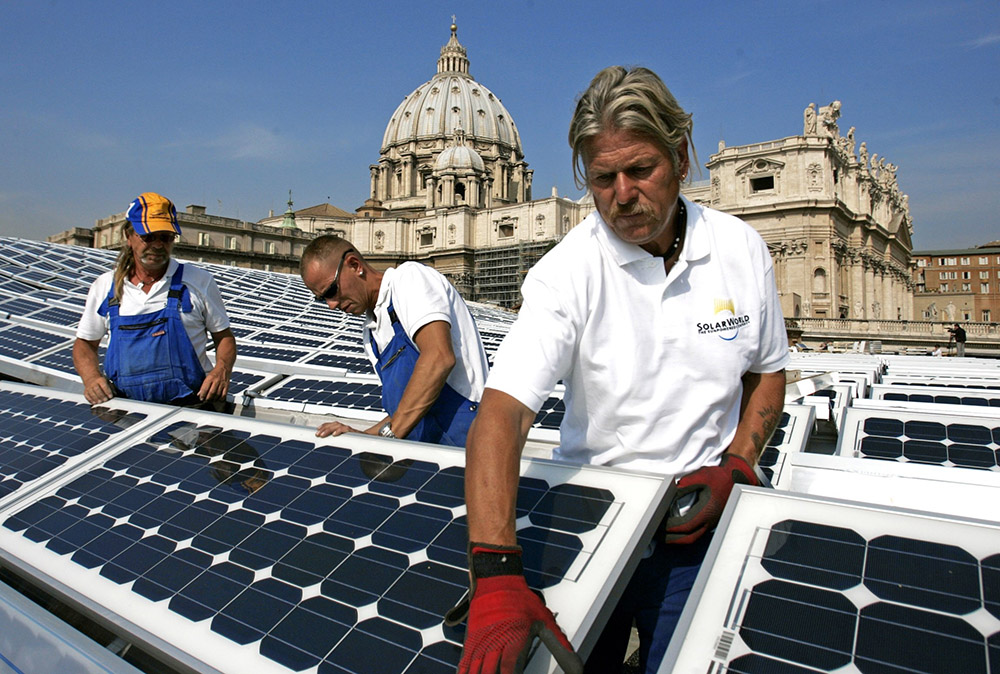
pixel 230 105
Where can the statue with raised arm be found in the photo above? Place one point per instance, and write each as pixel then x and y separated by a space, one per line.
pixel 828 116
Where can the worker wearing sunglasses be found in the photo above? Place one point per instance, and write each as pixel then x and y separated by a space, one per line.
pixel 158 314
pixel 420 338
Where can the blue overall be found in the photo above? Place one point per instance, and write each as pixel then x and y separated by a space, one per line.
pixel 447 421
pixel 150 356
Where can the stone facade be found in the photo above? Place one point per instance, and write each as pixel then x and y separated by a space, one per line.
pixel 834 219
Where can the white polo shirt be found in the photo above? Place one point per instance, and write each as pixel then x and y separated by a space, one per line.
pixel 208 314
pixel 421 295
pixel 652 364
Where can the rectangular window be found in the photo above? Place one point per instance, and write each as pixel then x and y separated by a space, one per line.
pixel 921 263
pixel 943 288
pixel 966 315
pixel 966 274
pixel 269 247
pixel 966 286
pixel 984 260
pixel 984 288
pixel 986 315
pixel 950 261
pixel 427 239
pixel 232 243
pixel 984 274
pixel 762 184
pixel 506 230
pixel 204 239
pixel 965 260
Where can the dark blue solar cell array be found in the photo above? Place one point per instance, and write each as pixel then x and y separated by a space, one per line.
pixel 350 394
pixel 19 306
pixel 967 445
pixel 302 552
pixel 38 434
pixel 57 316
pixel 938 382
pixel 551 413
pixel 268 353
pixel 946 399
pixel 20 341
pixel 349 363
pixel 62 359
pixel 279 338
pixel 240 381
pixel 801 620
pixel 770 455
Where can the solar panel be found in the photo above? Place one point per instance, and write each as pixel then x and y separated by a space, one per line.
pixel 918 486
pixel 241 545
pixel 42 431
pixel 798 584
pixel 923 437
pixel 20 341
pixel 790 435
pixel 349 363
pixel 318 395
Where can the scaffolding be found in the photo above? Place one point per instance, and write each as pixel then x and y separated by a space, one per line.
pixel 500 271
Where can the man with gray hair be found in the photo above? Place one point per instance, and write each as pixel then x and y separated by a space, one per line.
pixel 662 319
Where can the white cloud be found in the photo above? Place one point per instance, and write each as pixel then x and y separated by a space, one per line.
pixel 249 141
pixel 244 141
pixel 984 41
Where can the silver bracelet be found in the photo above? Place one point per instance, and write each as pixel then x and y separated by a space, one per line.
pixel 386 430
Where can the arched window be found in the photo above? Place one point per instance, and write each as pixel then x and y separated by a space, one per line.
pixel 819 281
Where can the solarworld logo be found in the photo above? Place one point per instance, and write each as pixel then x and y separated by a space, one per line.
pixel 725 323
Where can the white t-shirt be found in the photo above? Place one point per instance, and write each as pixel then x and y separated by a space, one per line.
pixel 651 363
pixel 421 295
pixel 208 314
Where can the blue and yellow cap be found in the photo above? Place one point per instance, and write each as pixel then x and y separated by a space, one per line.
pixel 151 212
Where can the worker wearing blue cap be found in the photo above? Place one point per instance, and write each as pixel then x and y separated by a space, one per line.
pixel 159 314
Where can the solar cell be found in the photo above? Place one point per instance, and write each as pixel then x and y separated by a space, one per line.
pixel 838 586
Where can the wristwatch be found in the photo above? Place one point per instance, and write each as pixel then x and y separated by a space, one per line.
pixel 386 430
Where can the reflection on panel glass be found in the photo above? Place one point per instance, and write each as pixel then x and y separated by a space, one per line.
pixel 310 555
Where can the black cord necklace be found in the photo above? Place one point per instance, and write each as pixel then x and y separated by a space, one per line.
pixel 681 224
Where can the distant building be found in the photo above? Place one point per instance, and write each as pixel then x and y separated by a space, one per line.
pixel 211 238
pixel 958 285
pixel 452 189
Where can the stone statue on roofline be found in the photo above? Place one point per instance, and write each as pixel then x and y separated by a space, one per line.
pixel 828 116
pixel 809 121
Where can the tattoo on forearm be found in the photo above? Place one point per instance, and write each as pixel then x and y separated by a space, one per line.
pixel 769 417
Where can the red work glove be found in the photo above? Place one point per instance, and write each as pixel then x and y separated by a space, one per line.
pixel 712 486
pixel 505 616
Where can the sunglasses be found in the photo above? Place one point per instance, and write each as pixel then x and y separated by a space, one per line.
pixel 164 237
pixel 332 290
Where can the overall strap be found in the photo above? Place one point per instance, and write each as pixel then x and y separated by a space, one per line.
pixel 179 292
pixel 110 304
pixel 396 328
